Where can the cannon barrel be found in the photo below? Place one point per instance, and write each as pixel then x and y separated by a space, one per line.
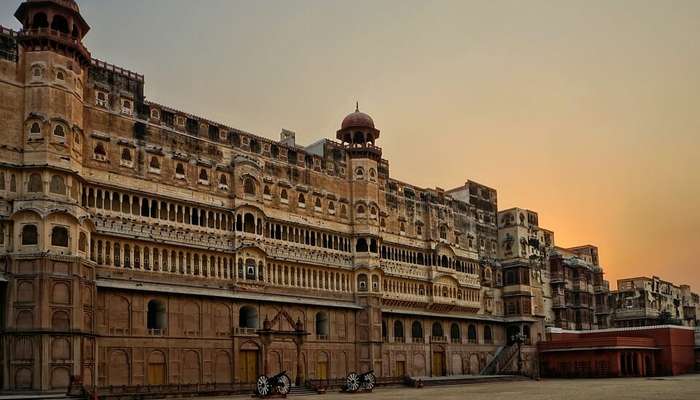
pixel 275 377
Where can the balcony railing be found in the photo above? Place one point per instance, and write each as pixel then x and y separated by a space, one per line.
pixel 245 331
pixel 56 35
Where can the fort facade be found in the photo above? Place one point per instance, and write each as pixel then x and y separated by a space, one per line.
pixel 143 245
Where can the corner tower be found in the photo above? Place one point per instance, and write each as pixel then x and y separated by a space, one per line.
pixel 358 134
pixel 48 314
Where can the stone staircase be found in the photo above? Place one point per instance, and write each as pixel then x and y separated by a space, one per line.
pixel 301 391
pixel 499 364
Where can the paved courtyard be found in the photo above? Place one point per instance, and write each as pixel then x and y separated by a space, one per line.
pixel 686 387
pixel 682 387
pixel 668 388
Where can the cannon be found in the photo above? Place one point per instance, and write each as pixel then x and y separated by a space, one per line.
pixel 276 384
pixel 356 382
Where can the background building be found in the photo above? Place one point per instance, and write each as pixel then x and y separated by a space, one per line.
pixel 646 301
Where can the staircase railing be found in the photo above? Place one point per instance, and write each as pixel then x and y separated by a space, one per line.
pixel 503 356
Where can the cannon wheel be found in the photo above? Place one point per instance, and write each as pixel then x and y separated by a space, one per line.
pixel 283 384
pixel 262 386
pixel 352 382
pixel 370 381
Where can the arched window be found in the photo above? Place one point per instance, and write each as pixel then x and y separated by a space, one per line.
pixel 362 282
pixel 40 21
pixel 254 146
pixel 249 186
pixel 59 236
pixel 60 24
pixel 359 173
pixel 100 152
pixel 343 211
pixel 248 317
pixel 249 223
pixel 157 318
pixel 57 185
pixel 223 181
pixel 30 235
pixel 471 333
pixel 454 333
pixel 180 171
pixel 82 241
pixel 359 137
pixel 203 176
pixel 443 232
pixel 488 335
pixel 301 201
pixel 126 155
pixel 266 191
pixel 35 184
pixel 417 330
pixel 360 210
pixel 331 207
pixel 283 196
pixel 444 261
pixel 419 230
pixel 372 174
pixel 35 129
pixel 437 330
pixel 60 77
pixel 154 164
pixel 317 203
pixel 322 325
pixel 398 329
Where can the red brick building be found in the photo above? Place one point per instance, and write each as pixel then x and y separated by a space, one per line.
pixel 644 351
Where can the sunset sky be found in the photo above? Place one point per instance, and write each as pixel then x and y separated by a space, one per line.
pixel 587 112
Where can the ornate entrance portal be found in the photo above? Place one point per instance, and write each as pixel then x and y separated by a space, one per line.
pixel 268 335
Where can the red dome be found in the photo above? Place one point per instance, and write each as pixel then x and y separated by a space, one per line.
pixel 357 120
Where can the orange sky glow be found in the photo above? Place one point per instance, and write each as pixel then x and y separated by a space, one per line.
pixel 587 112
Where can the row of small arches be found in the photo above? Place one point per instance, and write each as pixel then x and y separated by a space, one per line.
pixel 437 331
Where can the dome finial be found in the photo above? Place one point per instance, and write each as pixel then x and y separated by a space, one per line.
pixel 357 106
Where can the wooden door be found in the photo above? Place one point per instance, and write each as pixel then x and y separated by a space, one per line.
pixel 156 374
pixel 322 370
pixel 438 364
pixel 248 366
pixel 401 368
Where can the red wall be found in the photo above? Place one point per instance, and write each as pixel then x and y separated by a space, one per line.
pixel 676 354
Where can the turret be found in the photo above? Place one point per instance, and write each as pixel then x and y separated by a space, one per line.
pixel 53 24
